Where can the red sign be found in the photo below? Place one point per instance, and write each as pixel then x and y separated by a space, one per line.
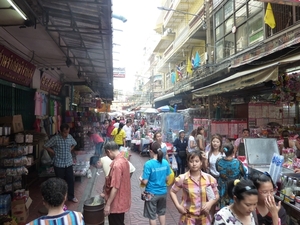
pixel 14 68
pixel 50 84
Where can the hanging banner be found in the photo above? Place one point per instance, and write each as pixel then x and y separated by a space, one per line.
pixel 50 84
pixel 15 69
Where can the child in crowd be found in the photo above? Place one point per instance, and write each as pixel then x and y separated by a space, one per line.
pixel 199 193
pixel 98 141
pixel 54 193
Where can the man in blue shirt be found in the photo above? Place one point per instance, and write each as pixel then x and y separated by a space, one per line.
pixel 61 146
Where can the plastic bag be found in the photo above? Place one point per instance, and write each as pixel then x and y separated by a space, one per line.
pixel 171 178
pixel 46 159
pixel 174 163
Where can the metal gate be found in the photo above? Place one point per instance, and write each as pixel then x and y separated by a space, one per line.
pixel 17 100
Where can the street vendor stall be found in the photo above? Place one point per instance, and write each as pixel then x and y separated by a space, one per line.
pixel 260 158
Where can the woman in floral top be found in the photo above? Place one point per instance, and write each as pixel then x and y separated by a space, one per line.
pixel 242 211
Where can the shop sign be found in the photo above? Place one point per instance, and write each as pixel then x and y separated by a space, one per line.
pixel 175 101
pixel 14 68
pixel 119 73
pixel 50 84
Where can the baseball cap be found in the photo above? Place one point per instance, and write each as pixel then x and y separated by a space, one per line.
pixel 181 131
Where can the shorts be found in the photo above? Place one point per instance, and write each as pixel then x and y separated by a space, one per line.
pixel 157 205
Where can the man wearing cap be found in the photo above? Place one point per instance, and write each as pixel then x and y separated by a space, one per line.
pixel 181 144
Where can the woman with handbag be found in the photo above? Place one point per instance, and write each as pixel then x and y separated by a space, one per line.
pixel 181 144
pixel 154 177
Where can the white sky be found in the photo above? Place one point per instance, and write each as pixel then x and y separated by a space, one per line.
pixel 141 18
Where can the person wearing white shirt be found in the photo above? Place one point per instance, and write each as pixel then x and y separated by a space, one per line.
pixel 128 130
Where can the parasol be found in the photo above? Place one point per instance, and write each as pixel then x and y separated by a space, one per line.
pixel 151 110
pixel 166 108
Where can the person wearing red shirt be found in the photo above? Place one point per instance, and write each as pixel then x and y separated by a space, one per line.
pixel 109 130
pixel 98 141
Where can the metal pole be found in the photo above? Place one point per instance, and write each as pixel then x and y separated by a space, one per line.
pixel 71 97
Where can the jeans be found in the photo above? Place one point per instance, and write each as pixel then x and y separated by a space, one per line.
pixel 98 148
pixel 181 162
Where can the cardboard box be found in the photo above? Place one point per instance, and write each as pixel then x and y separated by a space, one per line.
pixel 20 209
pixel 15 122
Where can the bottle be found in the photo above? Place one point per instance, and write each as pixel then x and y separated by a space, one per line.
pixel 288 190
pixel 293 194
pixel 283 185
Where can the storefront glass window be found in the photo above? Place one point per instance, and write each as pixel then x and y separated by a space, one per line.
pixel 241 38
pixel 228 9
pixel 229 45
pixel 220 50
pixel 254 7
pixel 229 23
pixel 219 32
pixel 241 15
pixel 219 17
pixel 255 26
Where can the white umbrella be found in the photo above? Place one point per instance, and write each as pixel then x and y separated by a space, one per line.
pixel 151 110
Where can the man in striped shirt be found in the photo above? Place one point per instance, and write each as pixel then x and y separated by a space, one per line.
pixel 61 146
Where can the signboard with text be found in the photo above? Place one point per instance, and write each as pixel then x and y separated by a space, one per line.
pixel 119 72
pixel 15 69
pixel 50 84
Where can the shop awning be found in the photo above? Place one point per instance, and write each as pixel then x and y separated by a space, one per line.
pixel 170 95
pixel 240 80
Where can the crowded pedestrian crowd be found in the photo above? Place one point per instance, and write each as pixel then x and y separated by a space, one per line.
pixel 215 185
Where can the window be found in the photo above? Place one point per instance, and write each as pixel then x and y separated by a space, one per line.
pixel 229 23
pixel 255 29
pixel 228 8
pixel 241 37
pixel 241 16
pixel 247 17
pixel 219 32
pixel 239 3
pixel 254 7
pixel 229 45
pixel 220 50
pixel 219 17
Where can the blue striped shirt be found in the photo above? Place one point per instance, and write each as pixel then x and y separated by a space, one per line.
pixel 62 148
pixel 66 218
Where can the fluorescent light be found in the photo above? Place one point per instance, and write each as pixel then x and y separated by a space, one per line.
pixel 17 9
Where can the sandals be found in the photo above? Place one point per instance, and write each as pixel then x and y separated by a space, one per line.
pixel 75 200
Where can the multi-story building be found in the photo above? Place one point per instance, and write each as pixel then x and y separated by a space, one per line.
pixel 239 53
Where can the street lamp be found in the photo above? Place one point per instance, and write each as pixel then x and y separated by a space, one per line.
pixel 182 12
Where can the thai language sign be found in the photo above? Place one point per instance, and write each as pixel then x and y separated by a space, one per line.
pixel 14 68
pixel 50 84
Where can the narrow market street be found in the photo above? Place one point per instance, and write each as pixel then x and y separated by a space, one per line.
pixel 91 187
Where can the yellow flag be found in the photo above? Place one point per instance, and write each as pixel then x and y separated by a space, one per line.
pixel 189 67
pixel 269 17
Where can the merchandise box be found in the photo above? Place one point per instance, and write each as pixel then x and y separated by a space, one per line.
pixel 15 122
pixel 20 209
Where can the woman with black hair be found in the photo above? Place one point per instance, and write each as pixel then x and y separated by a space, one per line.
pixel 229 168
pixel 267 211
pixel 242 210
pixel 119 135
pixel 155 176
